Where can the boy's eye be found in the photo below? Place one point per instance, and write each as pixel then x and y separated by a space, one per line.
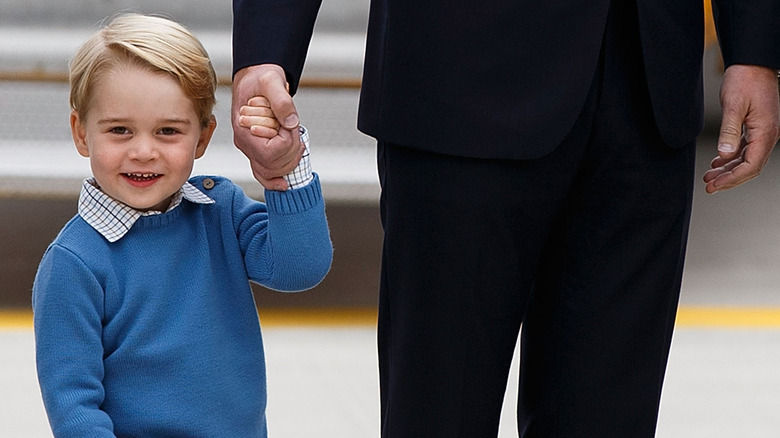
pixel 168 131
pixel 119 130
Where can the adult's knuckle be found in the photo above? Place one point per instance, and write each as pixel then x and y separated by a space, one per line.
pixel 730 130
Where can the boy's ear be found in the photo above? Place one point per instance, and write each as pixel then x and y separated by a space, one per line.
pixel 79 133
pixel 205 137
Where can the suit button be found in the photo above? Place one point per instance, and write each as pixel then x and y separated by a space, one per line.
pixel 208 183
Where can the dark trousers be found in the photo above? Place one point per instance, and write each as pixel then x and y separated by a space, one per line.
pixel 584 248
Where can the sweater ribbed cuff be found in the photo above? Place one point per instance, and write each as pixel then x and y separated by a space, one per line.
pixel 295 201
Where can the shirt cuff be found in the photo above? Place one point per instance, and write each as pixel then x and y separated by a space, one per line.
pixel 302 175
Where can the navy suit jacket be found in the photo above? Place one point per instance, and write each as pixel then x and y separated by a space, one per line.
pixel 501 78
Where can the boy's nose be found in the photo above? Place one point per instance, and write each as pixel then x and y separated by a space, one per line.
pixel 143 150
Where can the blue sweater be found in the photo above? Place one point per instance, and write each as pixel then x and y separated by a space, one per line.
pixel 157 334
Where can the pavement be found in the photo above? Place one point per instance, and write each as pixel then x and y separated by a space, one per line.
pixel 322 383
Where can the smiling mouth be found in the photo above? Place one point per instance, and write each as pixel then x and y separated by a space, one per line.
pixel 142 176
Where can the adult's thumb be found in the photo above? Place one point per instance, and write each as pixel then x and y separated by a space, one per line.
pixel 730 136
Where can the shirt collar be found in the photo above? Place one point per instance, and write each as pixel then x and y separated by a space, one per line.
pixel 113 219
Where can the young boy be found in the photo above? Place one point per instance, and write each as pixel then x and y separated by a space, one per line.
pixel 145 322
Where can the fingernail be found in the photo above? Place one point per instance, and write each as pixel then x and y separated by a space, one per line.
pixel 726 148
pixel 291 121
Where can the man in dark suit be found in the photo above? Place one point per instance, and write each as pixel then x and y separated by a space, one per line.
pixel 536 164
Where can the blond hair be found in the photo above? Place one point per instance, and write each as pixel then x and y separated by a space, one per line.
pixel 151 42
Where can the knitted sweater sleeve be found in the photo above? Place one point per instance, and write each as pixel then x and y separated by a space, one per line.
pixel 292 251
pixel 68 308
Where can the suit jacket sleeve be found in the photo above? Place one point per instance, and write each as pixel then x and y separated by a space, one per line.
pixel 748 31
pixel 275 32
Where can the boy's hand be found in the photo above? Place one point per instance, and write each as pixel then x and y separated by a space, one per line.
pixel 258 116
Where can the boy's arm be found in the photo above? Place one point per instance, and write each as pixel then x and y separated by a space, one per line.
pixel 293 250
pixel 286 242
pixel 298 238
pixel 67 306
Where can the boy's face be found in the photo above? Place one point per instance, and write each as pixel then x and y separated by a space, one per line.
pixel 142 136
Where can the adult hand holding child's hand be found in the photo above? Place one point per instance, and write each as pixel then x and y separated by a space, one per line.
pixel 274 150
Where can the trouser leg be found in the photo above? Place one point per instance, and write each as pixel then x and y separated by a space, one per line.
pixel 462 242
pixel 599 325
pixel 596 336
pixel 598 328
